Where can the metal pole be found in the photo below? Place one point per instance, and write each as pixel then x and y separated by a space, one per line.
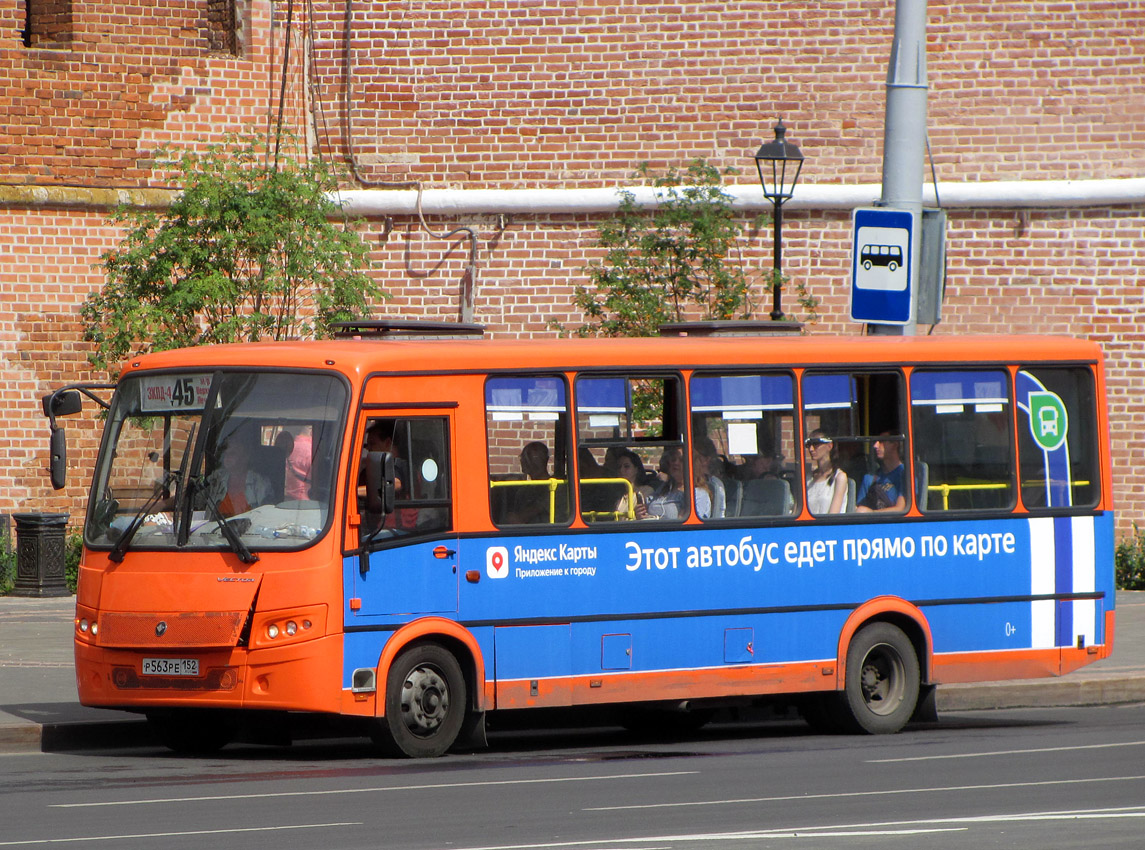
pixel 777 262
pixel 904 128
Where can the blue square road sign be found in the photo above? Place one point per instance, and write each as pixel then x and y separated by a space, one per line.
pixel 882 266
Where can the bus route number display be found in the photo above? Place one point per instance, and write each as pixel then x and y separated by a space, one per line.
pixel 167 393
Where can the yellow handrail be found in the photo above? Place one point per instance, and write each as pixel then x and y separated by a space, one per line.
pixel 551 483
pixel 554 483
pixel 947 489
pixel 629 514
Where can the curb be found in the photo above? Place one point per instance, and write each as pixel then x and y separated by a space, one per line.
pixel 21 738
pixel 1054 693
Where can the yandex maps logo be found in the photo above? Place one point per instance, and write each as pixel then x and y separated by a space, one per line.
pixel 497 562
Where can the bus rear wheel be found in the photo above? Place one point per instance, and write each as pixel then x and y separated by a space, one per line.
pixel 882 680
pixel 425 702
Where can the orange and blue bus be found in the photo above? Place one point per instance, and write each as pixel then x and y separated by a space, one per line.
pixel 418 532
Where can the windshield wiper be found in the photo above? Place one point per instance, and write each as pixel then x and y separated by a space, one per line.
pixel 120 548
pixel 227 527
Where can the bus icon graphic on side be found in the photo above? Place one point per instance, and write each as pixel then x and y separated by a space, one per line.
pixel 880 255
pixel 497 562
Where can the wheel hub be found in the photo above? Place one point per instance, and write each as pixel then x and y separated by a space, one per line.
pixel 882 680
pixel 425 700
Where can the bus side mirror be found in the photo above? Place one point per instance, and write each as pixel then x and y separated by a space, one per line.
pixel 381 478
pixel 66 401
pixel 58 462
pixel 389 488
pixel 59 403
pixel 63 403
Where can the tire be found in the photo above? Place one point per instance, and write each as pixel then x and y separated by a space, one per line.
pixel 425 702
pixel 882 685
pixel 192 733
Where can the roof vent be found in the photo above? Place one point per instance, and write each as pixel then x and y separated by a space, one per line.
pixel 404 329
pixel 731 327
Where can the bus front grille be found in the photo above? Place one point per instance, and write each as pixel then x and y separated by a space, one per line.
pixel 169 631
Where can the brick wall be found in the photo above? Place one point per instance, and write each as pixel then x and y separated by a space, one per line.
pixel 517 94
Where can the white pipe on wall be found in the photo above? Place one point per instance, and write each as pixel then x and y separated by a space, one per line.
pixel 1016 193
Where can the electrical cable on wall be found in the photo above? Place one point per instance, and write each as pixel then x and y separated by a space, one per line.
pixel 469 280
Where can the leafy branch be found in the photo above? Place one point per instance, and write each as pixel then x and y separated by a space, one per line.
pixel 246 251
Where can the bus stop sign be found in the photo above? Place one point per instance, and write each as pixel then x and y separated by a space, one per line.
pixel 882 266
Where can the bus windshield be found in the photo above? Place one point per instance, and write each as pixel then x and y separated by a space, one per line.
pixel 239 460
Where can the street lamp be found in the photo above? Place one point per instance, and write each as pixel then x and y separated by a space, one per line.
pixel 779 163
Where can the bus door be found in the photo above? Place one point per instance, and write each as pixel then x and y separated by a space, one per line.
pixel 406 561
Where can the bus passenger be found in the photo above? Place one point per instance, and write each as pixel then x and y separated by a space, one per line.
pixel 235 487
pixel 380 438
pixel 826 482
pixel 587 465
pixel 704 496
pixel 668 500
pixel 629 467
pixel 884 490
pixel 714 467
pixel 764 465
pixel 299 461
pixel 531 503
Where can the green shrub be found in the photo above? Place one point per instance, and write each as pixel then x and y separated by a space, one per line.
pixel 1129 561
pixel 661 266
pixel 73 548
pixel 7 565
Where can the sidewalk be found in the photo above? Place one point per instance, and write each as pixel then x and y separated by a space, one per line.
pixel 39 707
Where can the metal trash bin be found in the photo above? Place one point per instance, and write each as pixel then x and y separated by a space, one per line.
pixel 40 545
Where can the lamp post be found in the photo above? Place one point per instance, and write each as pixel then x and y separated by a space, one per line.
pixel 779 163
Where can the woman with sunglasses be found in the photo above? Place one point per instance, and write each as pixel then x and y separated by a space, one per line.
pixel 826 482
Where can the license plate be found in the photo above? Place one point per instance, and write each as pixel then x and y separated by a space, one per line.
pixel 170 666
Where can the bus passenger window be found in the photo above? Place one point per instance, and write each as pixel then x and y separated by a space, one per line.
pixel 630 449
pixel 964 454
pixel 526 421
pixel 862 416
pixel 1057 428
pixel 743 427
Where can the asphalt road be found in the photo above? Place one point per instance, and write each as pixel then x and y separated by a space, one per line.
pixel 1035 778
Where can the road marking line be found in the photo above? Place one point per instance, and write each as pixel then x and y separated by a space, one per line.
pixel 1008 752
pixel 638 843
pixel 372 790
pixel 887 793
pixel 34 841
pixel 929 825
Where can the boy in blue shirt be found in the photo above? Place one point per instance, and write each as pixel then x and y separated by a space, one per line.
pixel 885 490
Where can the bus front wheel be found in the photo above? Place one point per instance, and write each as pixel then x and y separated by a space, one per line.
pixel 425 702
pixel 882 680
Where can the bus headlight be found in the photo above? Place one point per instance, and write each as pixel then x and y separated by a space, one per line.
pixel 276 628
pixel 87 624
